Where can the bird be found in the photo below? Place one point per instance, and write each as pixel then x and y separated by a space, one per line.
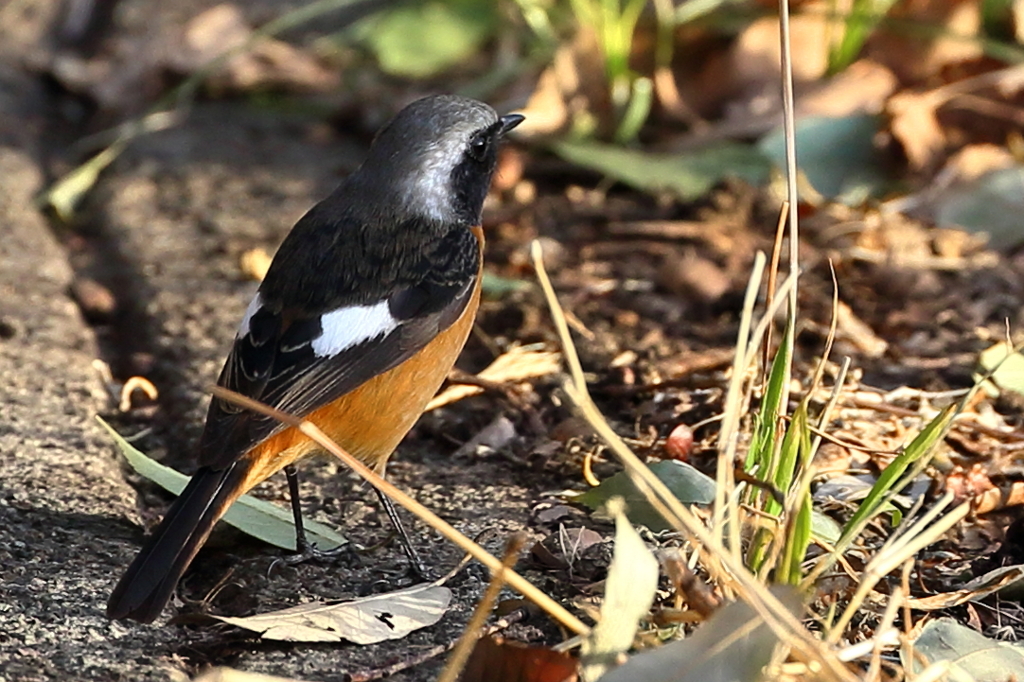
pixel 361 315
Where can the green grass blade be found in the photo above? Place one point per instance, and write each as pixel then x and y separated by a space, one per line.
pixel 795 446
pixel 864 17
pixel 796 458
pixel 889 483
pixel 794 452
pixel 798 538
pixel 762 445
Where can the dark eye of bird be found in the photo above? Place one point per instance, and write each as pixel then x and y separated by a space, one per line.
pixel 478 146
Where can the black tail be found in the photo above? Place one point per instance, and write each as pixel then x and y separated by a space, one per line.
pixel 146 586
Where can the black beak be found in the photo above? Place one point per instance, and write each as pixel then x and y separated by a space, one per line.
pixel 508 122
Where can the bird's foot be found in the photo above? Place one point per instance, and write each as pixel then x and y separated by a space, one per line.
pixel 308 551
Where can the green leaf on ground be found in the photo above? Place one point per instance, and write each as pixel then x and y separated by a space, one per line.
pixel 971 655
pixel 685 482
pixel 837 155
pixel 689 175
pixel 628 595
pixel 497 287
pixel 824 527
pixel 258 518
pixel 1007 369
pixel 991 204
pixel 420 40
pixel 734 645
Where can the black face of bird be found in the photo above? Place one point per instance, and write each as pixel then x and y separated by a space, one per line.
pixel 471 177
pixel 438 155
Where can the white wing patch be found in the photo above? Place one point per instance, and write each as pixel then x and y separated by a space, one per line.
pixel 347 327
pixel 254 305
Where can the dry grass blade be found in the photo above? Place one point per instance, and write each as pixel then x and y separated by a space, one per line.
pixel 899 548
pixel 474 629
pixel 719 562
pixel 789 122
pixel 728 438
pixel 773 275
pixel 516 581
pixel 747 344
pixel 874 673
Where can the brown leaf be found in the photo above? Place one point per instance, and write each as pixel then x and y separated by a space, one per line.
pixel 914 58
pixel 976 589
pixel 255 263
pixel 690 274
pixel 756 53
pixel 267 62
pixel 563 548
pixel 570 92
pixel 517 364
pixel 862 88
pixel 495 659
pixel 854 330
pixel 915 126
pixel 975 160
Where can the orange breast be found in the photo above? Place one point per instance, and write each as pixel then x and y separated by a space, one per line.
pixel 370 421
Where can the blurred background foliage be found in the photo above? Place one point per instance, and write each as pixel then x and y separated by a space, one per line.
pixel 675 96
pixel 893 98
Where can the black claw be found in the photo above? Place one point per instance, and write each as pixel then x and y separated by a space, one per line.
pixel 309 551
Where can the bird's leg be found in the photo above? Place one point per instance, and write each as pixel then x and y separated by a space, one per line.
pixel 414 558
pixel 304 549
pixel 302 545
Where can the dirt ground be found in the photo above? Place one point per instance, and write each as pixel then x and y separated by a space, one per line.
pixel 147 279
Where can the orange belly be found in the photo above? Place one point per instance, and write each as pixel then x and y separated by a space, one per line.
pixel 370 421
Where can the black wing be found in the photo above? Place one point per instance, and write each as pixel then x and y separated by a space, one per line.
pixel 282 360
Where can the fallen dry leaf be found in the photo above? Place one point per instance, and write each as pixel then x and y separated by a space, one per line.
pixel 914 124
pixel 919 56
pixel 756 53
pixel 851 328
pixel 361 621
pixel 974 161
pixel 496 435
pixel 267 62
pixel 231 675
pixel 570 92
pixel 976 589
pixel 861 88
pixel 498 660
pixel 690 274
pixel 517 364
